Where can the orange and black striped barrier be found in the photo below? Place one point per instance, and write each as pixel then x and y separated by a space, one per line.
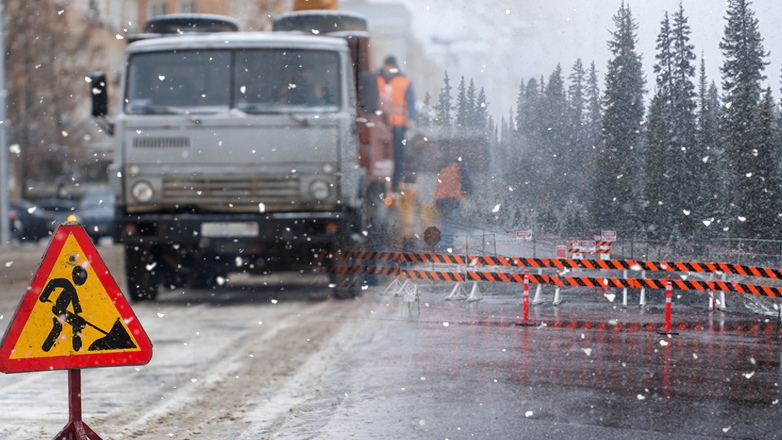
pixel 562 281
pixel 562 263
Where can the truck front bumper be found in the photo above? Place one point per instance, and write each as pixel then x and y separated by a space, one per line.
pixel 205 230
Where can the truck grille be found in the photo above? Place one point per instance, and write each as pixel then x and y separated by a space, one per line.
pixel 161 142
pixel 221 190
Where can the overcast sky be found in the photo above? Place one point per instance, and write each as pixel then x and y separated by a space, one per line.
pixel 499 42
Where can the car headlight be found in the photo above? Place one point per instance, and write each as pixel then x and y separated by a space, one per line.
pixel 319 189
pixel 142 191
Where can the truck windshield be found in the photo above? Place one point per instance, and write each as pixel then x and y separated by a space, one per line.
pixel 273 80
pixel 179 82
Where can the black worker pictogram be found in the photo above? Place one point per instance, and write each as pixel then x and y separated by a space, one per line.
pixel 116 338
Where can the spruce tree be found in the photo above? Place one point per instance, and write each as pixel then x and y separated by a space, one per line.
pixel 742 73
pixel 461 105
pixel 482 117
pixel 521 103
pixel 469 105
pixel 554 143
pixel 615 203
pixel 684 122
pixel 593 109
pixel 443 106
pixel 762 206
pixel 706 173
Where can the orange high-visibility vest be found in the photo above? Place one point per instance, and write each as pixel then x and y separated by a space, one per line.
pixel 449 184
pixel 396 89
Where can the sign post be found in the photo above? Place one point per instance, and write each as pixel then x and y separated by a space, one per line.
pixel 73 316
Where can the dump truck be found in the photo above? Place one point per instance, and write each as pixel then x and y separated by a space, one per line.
pixel 243 151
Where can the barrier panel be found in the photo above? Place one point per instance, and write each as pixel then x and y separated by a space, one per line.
pixel 562 281
pixel 563 263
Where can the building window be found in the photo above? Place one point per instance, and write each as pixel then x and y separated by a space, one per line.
pixel 156 9
pixel 187 7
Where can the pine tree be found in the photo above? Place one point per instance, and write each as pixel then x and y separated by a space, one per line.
pixel 461 105
pixel 706 145
pixel 615 204
pixel 521 103
pixel 594 110
pixel 684 122
pixel 443 106
pixel 469 104
pixel 554 142
pixel 576 96
pixel 742 73
pixel 482 112
pixel 577 128
pixel 671 155
pixel 762 207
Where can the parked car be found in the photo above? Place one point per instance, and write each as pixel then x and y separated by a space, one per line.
pixel 95 211
pixel 29 222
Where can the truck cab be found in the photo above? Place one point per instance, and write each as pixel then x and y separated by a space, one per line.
pixel 234 152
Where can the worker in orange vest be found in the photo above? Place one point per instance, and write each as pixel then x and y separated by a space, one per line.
pixel 453 182
pixel 399 90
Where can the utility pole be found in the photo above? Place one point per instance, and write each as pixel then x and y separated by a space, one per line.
pixel 5 230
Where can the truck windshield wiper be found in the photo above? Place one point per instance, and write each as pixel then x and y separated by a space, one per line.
pixel 166 109
pixel 258 108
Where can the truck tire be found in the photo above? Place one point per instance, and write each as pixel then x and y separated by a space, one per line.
pixel 142 271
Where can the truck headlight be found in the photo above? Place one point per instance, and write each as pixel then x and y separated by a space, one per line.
pixel 142 191
pixel 319 189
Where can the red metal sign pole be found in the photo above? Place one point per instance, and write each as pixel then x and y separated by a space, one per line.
pixel 526 300
pixel 668 305
pixel 668 288
pixel 76 429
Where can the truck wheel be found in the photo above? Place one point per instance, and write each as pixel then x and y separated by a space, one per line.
pixel 143 272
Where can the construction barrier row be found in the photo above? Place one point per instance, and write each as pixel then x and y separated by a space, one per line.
pixel 561 263
pixel 561 281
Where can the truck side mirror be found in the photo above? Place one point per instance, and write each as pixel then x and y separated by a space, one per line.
pixel 100 96
pixel 368 93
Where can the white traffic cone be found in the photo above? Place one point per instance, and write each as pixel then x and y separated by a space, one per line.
pixel 457 293
pixel 475 293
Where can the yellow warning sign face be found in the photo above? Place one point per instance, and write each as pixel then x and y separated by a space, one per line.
pixel 73 314
pixel 70 318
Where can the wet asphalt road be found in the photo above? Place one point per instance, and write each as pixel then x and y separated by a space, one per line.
pixel 588 370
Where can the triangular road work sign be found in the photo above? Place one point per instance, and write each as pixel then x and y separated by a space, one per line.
pixel 73 314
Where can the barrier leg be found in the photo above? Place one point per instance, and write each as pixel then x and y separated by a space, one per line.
pixel 538 296
pixel 557 295
pixel 457 293
pixel 642 301
pixel 624 293
pixel 711 294
pixel 475 293
pixel 722 306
